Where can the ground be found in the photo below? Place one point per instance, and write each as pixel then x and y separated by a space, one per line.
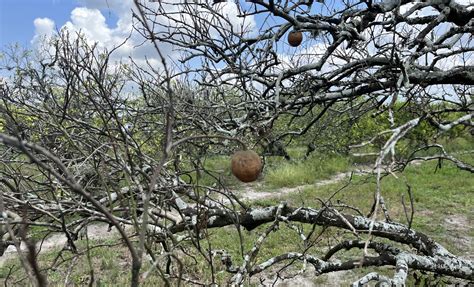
pixel 443 201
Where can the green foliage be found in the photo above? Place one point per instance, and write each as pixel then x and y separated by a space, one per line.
pixel 307 171
pixel 337 131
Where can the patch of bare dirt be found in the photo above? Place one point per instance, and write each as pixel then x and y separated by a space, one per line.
pixel 100 231
pixel 94 232
pixel 425 212
pixel 307 279
pixel 340 278
pixel 459 225
pixel 457 222
pixel 250 193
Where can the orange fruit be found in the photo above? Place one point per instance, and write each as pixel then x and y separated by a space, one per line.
pixel 246 165
pixel 295 38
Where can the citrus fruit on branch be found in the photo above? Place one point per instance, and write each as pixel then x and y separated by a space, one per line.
pixel 295 38
pixel 246 165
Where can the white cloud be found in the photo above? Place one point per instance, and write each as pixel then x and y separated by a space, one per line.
pixel 240 24
pixel 465 2
pixel 91 22
pixel 119 7
pixel 44 27
pixel 89 19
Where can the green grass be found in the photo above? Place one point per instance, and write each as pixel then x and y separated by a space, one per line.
pixel 294 173
pixel 216 169
pixel 111 265
pixel 277 172
pixel 437 192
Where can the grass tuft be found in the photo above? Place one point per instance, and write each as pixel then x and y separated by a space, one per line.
pixel 294 173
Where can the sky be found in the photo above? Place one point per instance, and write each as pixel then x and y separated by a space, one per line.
pixel 17 17
pixel 107 22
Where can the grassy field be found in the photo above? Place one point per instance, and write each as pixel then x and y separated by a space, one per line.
pixel 279 172
pixel 443 200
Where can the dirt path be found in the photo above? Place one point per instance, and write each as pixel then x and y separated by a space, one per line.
pixel 250 193
pixel 94 231
pixel 100 231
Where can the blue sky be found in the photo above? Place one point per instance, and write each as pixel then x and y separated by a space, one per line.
pixel 17 17
pixel 107 22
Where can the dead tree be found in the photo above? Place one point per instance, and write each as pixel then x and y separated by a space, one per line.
pixel 85 140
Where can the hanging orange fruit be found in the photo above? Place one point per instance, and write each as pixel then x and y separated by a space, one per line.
pixel 295 38
pixel 246 165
